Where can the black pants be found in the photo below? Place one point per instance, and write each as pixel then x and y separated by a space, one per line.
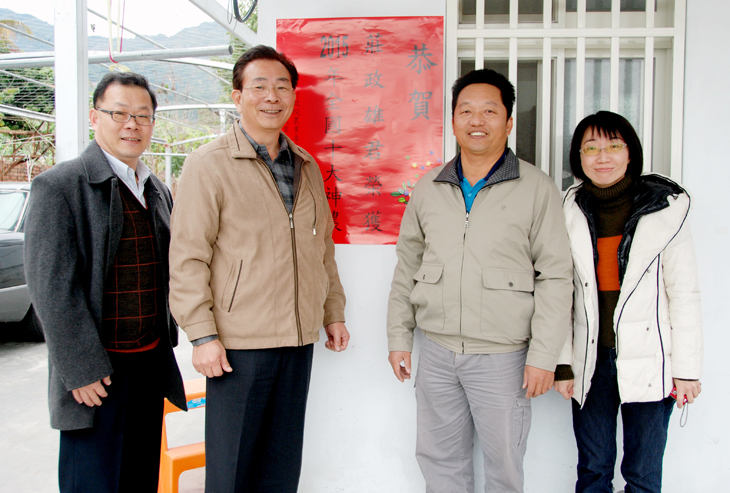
pixel 254 421
pixel 645 435
pixel 121 452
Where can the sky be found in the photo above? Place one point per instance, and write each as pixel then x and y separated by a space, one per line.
pixel 143 16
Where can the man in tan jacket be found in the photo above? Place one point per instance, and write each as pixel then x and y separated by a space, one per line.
pixel 484 270
pixel 254 279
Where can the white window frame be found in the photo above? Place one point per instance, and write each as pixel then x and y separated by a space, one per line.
pixel 551 40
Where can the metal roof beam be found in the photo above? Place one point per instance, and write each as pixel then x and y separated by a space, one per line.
pixel 219 14
pixel 178 55
pixel 212 106
pixel 33 115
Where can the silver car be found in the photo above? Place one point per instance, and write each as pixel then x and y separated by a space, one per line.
pixel 15 309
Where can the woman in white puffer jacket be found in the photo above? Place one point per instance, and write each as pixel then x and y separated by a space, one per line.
pixel 637 327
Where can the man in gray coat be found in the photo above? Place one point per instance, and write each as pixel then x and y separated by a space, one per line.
pixel 96 261
pixel 484 270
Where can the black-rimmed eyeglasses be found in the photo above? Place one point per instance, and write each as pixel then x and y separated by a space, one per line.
pixel 122 117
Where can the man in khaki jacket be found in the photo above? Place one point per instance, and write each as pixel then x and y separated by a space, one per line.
pixel 484 270
pixel 253 279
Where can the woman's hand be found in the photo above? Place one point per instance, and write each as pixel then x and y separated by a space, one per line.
pixel 565 387
pixel 687 388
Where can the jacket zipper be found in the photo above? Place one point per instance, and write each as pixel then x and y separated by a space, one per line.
pixel 294 249
pixel 588 338
pixel 314 219
pixel 658 327
pixel 466 225
pixel 296 273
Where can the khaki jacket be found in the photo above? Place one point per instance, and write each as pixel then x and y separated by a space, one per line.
pixel 242 267
pixel 493 281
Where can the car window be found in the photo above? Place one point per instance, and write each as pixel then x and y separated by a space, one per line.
pixel 11 205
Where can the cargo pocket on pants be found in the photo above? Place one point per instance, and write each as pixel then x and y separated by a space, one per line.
pixel 521 419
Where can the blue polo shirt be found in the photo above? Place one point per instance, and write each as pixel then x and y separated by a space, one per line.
pixel 470 192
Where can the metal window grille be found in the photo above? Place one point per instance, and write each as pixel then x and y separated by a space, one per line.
pixel 570 58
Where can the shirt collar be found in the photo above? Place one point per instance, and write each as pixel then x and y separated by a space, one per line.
pixel 260 148
pixel 127 174
pixel 496 166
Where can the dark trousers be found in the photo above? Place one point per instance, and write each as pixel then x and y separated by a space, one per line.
pixel 121 452
pixel 645 435
pixel 254 421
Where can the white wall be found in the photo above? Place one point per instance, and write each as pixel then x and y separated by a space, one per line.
pixel 698 457
pixel 360 434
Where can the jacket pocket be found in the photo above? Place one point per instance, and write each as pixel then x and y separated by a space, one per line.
pixel 316 201
pixel 508 304
pixel 229 291
pixel 428 297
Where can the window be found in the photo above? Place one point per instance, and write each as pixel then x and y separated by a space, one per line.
pixel 570 58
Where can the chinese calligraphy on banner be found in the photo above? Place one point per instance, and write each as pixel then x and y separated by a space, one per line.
pixel 370 110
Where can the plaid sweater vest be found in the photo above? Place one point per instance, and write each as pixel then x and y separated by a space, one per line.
pixel 133 289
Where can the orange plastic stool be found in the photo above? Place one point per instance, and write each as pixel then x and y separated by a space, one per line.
pixel 178 459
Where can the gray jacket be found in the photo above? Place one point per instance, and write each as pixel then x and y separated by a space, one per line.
pixel 492 281
pixel 73 228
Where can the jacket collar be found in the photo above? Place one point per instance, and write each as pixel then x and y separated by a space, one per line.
pixel 652 194
pixel 241 148
pixel 95 164
pixel 652 191
pixel 510 170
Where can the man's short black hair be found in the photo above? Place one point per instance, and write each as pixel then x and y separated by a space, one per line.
pixel 125 79
pixel 262 52
pixel 485 76
pixel 613 126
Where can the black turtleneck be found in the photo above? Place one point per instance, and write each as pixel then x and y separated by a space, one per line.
pixel 611 208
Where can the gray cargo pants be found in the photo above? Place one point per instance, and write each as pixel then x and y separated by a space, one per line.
pixel 458 393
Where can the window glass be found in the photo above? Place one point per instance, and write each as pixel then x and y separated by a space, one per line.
pixel 605 6
pixel 597 93
pixel 11 204
pixel 501 7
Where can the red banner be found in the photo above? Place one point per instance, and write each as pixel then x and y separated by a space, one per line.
pixel 370 110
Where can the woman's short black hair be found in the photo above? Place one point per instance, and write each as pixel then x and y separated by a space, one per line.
pixel 612 125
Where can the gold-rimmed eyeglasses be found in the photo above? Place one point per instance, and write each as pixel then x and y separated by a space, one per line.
pixel 122 117
pixel 262 91
pixel 595 151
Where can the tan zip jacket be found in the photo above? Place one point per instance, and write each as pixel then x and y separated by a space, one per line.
pixel 494 281
pixel 241 267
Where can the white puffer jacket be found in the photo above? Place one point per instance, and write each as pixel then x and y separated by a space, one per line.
pixel 658 320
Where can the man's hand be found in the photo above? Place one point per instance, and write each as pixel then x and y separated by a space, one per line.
pixel 337 336
pixel 537 381
pixel 687 388
pixel 91 394
pixel 565 387
pixel 401 363
pixel 210 359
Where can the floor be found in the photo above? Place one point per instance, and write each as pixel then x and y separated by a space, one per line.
pixel 28 445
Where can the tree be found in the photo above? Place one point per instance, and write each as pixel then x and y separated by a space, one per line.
pixel 7 37
pixel 21 93
pixel 24 94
